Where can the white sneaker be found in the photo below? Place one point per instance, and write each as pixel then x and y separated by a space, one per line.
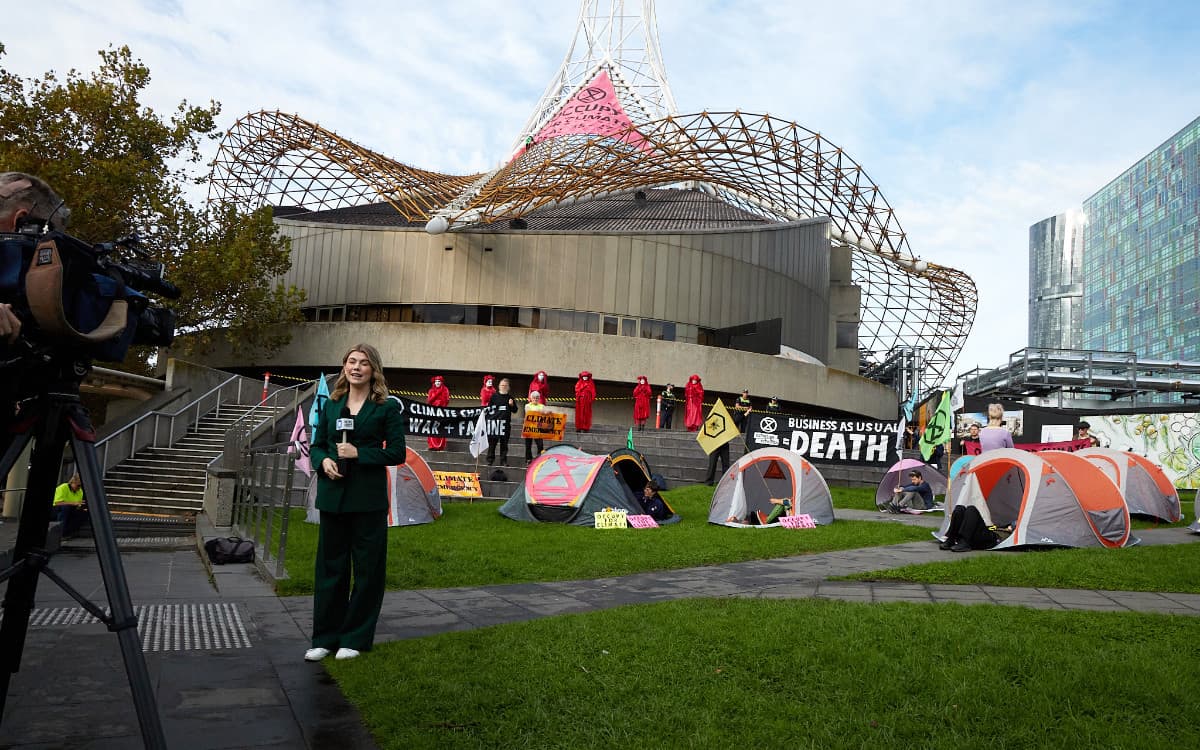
pixel 345 653
pixel 316 654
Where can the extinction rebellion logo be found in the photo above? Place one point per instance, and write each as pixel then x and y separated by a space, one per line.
pixel 767 424
pixel 592 94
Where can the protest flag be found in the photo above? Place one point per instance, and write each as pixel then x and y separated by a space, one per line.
pixel 629 440
pixel 718 428
pixel 479 439
pixel 314 414
pixel 300 446
pixel 938 431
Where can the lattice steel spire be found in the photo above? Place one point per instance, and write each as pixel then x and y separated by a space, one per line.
pixel 619 37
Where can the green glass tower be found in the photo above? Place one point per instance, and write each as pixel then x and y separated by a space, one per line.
pixel 1141 262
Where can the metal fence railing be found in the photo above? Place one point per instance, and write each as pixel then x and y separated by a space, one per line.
pixel 262 502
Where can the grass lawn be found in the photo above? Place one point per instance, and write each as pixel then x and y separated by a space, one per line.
pixel 812 674
pixel 473 545
pixel 1157 568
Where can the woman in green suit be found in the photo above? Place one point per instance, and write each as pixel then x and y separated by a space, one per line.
pixel 352 498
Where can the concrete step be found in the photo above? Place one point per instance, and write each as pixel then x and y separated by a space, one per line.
pixel 175 491
pixel 162 466
pixel 160 507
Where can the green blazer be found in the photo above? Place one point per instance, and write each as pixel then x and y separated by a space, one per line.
pixel 366 487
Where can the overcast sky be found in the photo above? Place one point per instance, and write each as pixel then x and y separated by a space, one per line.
pixel 976 119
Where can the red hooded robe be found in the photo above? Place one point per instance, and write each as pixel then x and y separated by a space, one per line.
pixel 693 395
pixel 489 387
pixel 439 395
pixel 541 384
pixel 585 394
pixel 641 400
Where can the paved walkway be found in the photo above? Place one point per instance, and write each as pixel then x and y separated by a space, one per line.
pixel 225 653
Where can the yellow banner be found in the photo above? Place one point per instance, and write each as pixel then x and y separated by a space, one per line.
pixel 548 425
pixel 718 428
pixel 611 519
pixel 458 483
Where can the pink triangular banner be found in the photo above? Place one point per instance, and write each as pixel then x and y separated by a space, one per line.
pixel 593 110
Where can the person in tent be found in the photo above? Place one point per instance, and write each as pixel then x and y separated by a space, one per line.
pixel 693 407
pixel 535 403
pixel 541 384
pixel 967 531
pixel 668 406
pixel 438 395
pixel 505 406
pixel 653 504
pixel 585 394
pixel 917 494
pixel 641 402
pixel 995 435
pixel 489 387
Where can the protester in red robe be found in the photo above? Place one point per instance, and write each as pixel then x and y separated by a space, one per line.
pixel 489 387
pixel 541 384
pixel 693 395
pixel 439 395
pixel 585 394
pixel 641 402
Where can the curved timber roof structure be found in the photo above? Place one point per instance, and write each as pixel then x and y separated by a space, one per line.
pixel 595 135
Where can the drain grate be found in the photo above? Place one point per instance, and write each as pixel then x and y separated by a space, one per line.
pixel 166 627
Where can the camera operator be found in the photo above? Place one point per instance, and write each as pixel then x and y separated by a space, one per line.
pixel 25 199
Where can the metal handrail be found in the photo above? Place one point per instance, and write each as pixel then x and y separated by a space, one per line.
pixel 260 495
pixel 240 434
pixel 102 445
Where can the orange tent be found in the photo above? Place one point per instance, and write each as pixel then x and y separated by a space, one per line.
pixel 1050 498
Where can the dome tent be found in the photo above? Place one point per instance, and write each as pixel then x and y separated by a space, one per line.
pixel 1051 498
pixel 566 485
pixel 767 474
pixel 1146 489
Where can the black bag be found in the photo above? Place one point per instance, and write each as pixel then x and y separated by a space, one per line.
pixel 229 550
pixel 498 475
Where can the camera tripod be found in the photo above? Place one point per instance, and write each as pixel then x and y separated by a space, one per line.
pixel 52 416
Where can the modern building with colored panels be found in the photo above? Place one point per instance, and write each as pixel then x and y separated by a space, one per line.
pixel 1141 261
pixel 1055 288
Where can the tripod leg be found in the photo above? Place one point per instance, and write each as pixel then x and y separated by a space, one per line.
pixel 117 588
pixel 31 537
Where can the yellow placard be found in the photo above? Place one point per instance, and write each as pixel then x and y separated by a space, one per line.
pixel 718 428
pixel 611 519
pixel 548 425
pixel 458 483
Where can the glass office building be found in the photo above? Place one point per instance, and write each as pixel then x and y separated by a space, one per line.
pixel 1055 288
pixel 1141 259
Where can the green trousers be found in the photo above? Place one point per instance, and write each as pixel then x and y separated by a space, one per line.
pixel 349 546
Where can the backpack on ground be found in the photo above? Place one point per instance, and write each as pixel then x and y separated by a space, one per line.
pixel 224 550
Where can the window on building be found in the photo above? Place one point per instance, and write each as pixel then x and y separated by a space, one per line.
pixel 629 326
pixel 610 325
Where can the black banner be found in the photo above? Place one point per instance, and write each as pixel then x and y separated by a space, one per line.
pixel 862 442
pixel 450 422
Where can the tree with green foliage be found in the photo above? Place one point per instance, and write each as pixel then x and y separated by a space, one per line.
pixel 122 167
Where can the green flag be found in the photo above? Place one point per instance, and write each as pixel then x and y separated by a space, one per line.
pixel 937 431
pixel 629 440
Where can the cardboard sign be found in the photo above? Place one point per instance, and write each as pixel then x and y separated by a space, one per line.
pixel 611 519
pixel 802 521
pixel 642 522
pixel 458 483
pixel 548 425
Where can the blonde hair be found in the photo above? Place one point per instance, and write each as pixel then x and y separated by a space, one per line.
pixel 995 413
pixel 379 386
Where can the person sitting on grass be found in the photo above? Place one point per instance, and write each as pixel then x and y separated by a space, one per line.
pixel 967 531
pixel 916 495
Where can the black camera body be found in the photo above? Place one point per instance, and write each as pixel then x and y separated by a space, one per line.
pixel 68 293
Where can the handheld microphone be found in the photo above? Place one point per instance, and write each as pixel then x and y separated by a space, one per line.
pixel 346 424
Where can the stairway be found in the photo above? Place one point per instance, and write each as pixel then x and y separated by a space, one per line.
pixel 170 481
